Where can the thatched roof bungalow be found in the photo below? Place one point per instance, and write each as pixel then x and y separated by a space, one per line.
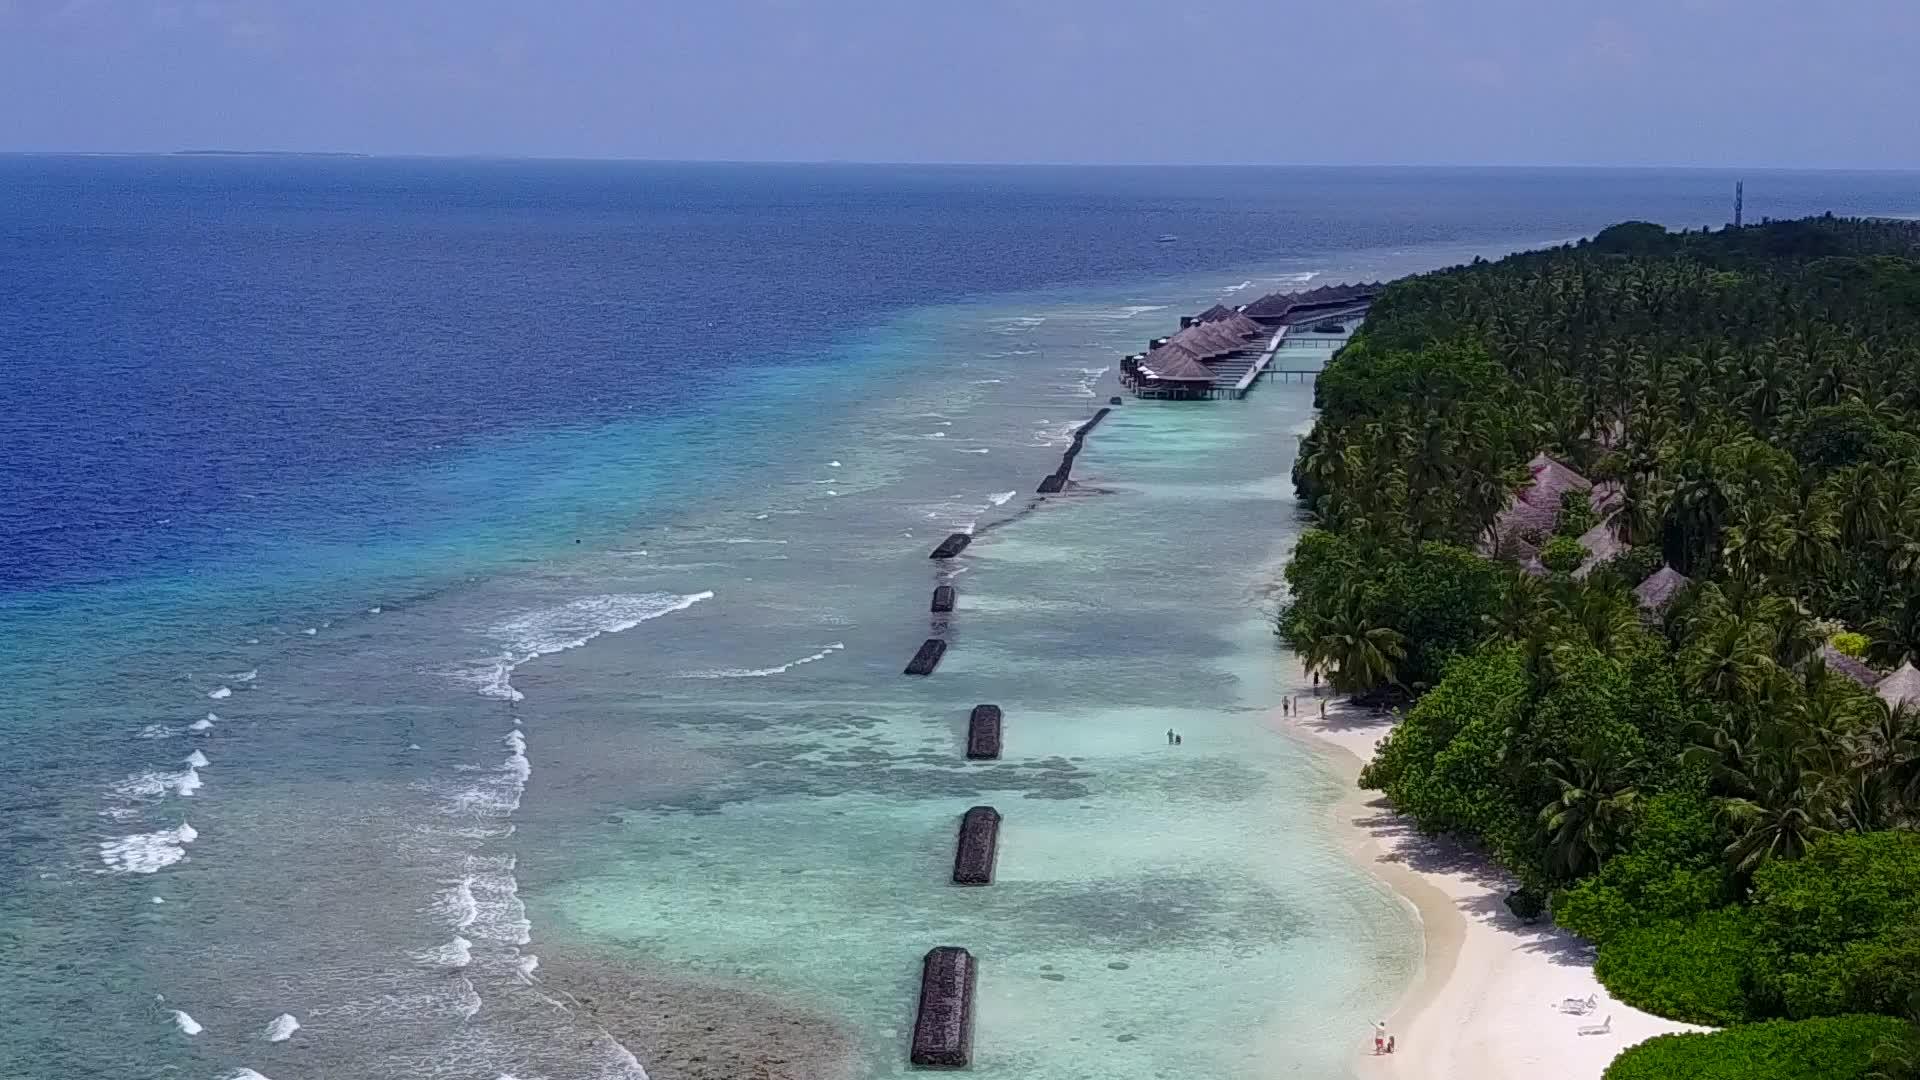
pixel 1900 688
pixel 1655 593
pixel 1275 309
pixel 1842 664
pixel 1244 326
pixel 1212 335
pixel 1170 363
pixel 1601 545
pixel 1548 479
pixel 1208 340
pixel 1534 509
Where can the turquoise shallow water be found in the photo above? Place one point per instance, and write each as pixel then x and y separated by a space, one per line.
pixel 457 608
pixel 1159 911
pixel 724 775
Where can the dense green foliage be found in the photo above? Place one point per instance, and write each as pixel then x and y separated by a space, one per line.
pixel 1729 819
pixel 1837 1048
pixel 1693 969
pixel 1839 930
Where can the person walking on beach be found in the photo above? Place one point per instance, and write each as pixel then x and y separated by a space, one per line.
pixel 1323 710
pixel 1284 706
pixel 1169 736
pixel 1380 1037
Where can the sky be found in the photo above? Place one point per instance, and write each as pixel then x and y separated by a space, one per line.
pixel 1747 83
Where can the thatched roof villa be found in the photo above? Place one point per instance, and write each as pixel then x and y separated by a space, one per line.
pixel 1900 688
pixel 1531 514
pixel 1601 544
pixel 1841 664
pixel 1286 309
pixel 1174 364
pixel 1208 340
pixel 1654 594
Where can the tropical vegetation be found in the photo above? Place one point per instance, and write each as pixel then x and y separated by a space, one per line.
pixel 1616 524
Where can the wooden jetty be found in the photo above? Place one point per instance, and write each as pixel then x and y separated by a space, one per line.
pixel 978 845
pixel 983 733
pixel 943 1029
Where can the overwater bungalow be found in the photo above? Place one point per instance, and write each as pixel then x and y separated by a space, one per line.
pixel 1312 305
pixel 1169 371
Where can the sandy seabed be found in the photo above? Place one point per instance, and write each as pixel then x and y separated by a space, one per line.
pixel 697 1028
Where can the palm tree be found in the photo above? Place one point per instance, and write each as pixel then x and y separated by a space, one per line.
pixel 1807 534
pixel 1794 811
pixel 1587 819
pixel 1894 638
pixel 1787 792
pixel 1604 619
pixel 1887 746
pixel 1356 653
pixel 1731 659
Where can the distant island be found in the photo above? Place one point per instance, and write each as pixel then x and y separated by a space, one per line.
pixel 271 153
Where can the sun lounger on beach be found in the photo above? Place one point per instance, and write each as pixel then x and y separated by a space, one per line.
pixel 1601 1028
pixel 1579 1006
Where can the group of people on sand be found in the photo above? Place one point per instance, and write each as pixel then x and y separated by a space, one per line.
pixel 1290 705
pixel 1382 1042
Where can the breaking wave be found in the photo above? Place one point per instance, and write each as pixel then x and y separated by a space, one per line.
pixel 569 626
pixel 148 853
pixel 755 673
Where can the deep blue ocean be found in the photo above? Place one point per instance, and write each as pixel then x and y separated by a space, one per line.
pixel 304 459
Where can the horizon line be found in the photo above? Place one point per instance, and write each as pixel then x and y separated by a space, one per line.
pixel 219 152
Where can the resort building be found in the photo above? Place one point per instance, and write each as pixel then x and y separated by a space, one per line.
pixel 1236 347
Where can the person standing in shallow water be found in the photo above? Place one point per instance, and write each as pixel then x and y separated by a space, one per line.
pixel 1169 736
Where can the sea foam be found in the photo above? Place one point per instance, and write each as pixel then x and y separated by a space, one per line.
pixel 187 1024
pixel 756 673
pixel 203 724
pixel 457 953
pixel 219 692
pixel 148 853
pixel 282 1028
pixel 569 626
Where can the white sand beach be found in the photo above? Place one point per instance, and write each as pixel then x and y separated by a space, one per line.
pixel 1484 1006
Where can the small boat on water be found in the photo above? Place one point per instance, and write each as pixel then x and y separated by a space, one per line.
pixel 1167 239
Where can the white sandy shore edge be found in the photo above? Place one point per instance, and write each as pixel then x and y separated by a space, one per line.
pixel 1484 1006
